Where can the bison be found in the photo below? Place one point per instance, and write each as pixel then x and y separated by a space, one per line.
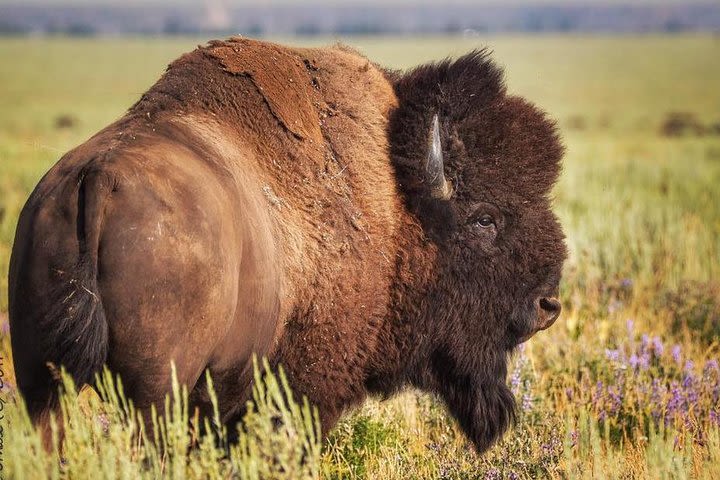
pixel 366 229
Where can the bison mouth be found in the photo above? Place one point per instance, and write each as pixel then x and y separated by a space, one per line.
pixel 541 314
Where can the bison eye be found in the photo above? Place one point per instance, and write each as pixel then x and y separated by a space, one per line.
pixel 485 221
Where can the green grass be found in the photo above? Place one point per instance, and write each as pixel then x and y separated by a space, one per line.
pixel 624 386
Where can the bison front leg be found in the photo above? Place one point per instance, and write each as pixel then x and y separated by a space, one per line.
pixel 327 367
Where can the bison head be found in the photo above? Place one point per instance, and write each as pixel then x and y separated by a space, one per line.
pixel 476 167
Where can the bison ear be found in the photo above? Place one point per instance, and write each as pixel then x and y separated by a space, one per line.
pixel 440 187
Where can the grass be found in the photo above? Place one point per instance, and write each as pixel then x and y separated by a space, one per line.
pixel 626 385
pixel 105 437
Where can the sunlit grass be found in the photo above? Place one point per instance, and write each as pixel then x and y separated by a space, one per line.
pixel 101 435
pixel 626 385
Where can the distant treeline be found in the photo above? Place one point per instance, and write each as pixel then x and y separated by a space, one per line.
pixel 219 19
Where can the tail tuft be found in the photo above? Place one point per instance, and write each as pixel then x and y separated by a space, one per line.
pixel 75 328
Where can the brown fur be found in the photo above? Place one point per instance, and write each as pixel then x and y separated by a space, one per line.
pixel 265 200
pixel 272 69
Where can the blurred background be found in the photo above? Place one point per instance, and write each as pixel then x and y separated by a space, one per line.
pixel 324 17
pixel 626 384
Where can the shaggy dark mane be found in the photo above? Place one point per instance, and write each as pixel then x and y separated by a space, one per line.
pixel 450 88
pixel 486 132
pixel 454 88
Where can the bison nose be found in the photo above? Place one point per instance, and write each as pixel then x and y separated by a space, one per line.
pixel 548 312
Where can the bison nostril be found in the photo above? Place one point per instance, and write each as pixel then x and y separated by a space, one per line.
pixel 549 311
pixel 550 305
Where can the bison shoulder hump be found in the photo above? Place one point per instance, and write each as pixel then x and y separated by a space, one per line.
pixel 279 77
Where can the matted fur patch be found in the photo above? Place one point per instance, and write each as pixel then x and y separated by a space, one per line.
pixel 280 77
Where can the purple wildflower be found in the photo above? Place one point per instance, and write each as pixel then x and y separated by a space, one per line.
pixel 552 447
pixel 689 366
pixel 688 380
pixel 644 342
pixel 518 385
pixel 492 474
pixel 710 366
pixel 676 404
pixel 615 398
pixel 612 355
pixel 515 381
pixel 676 353
pixel 658 347
pixel 691 394
pixel 527 402
pixel 657 392
pixel 634 361
pixel 598 391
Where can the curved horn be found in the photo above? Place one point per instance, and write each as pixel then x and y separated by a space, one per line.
pixel 440 187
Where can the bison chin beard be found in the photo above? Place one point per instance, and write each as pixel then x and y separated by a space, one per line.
pixel 476 396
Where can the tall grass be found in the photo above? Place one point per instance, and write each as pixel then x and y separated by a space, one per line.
pixel 626 385
pixel 101 435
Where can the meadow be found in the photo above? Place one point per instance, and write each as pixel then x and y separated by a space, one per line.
pixel 625 385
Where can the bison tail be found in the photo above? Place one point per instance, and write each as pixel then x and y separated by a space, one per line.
pixel 75 339
pixel 76 331
pixel 57 318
